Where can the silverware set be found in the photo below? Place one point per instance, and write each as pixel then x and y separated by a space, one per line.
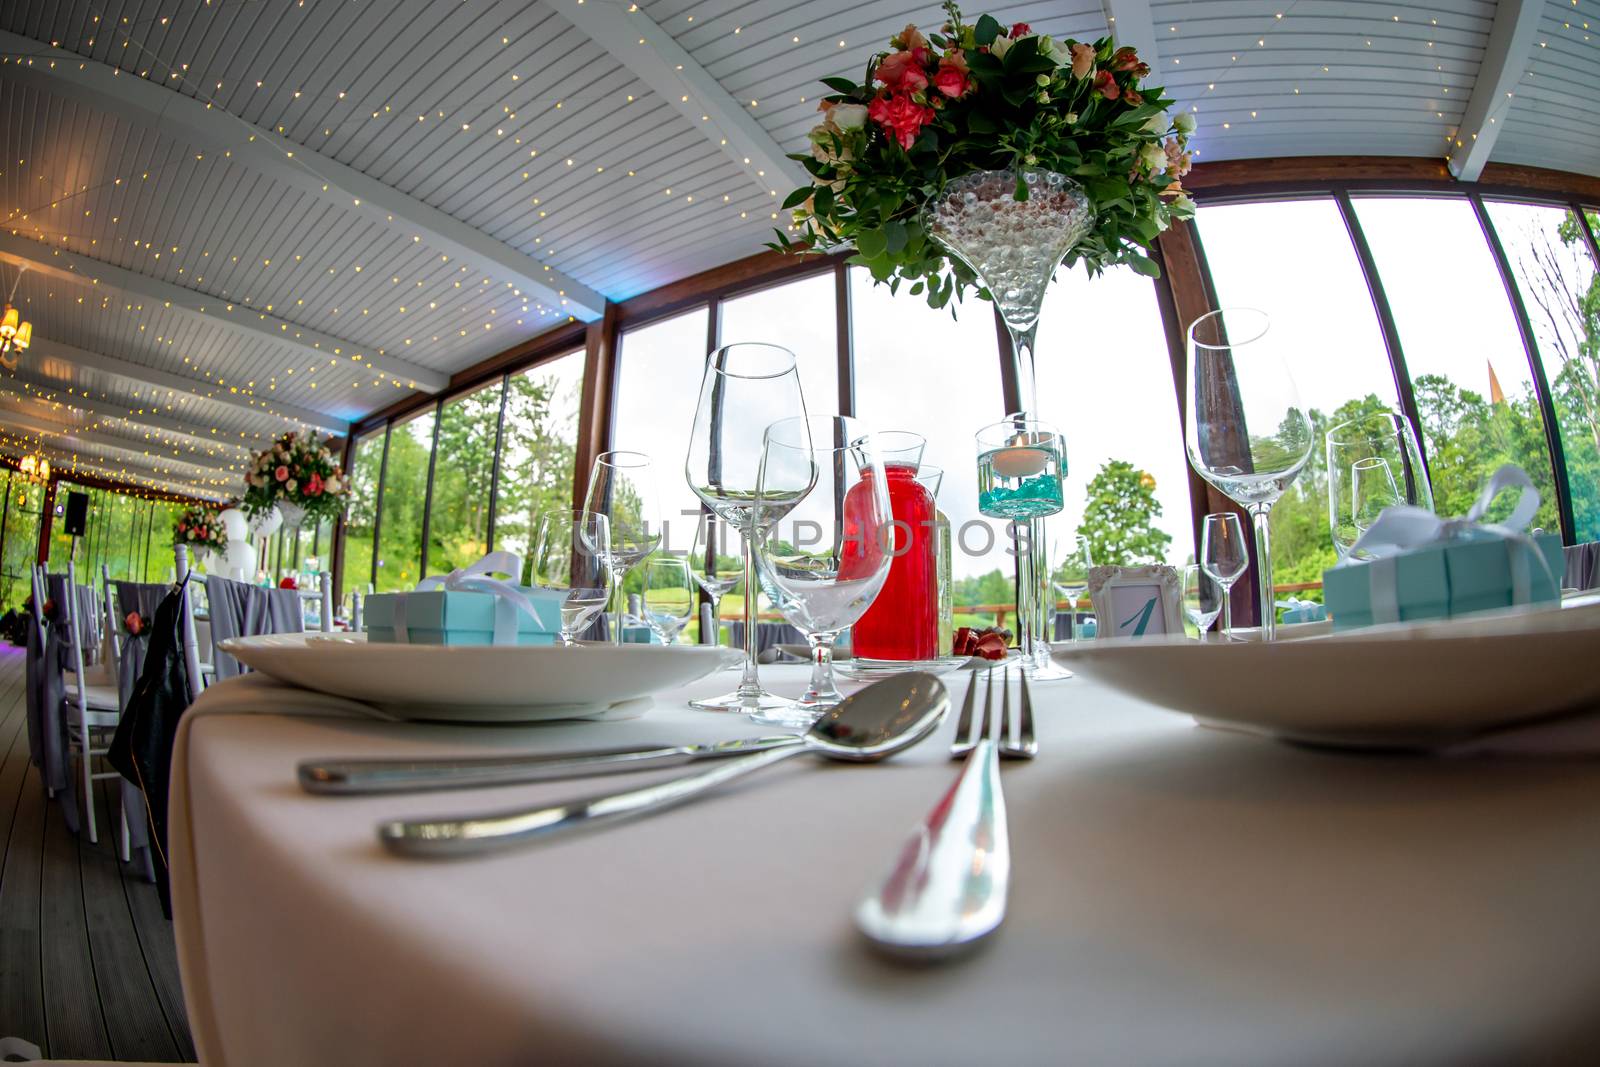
pixel 947 891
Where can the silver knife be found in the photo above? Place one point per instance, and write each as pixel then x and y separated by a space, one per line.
pixel 362 776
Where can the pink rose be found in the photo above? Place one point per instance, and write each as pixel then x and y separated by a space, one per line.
pixel 910 39
pixel 182 528
pixel 1020 29
pixel 1082 60
pixel 901 72
pixel 282 473
pixel 1178 161
pixel 901 116
pixel 134 622
pixel 1127 61
pixel 1106 85
pixel 951 78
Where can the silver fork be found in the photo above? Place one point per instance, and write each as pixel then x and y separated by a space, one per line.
pixel 968 733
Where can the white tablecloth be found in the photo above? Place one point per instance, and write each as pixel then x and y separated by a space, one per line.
pixel 1180 895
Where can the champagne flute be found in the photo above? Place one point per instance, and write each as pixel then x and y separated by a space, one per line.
pixel 714 576
pixel 827 556
pixel 622 488
pixel 1372 488
pixel 1202 598
pixel 1245 432
pixel 1384 436
pixel 1223 555
pixel 569 552
pixel 1071 579
pixel 745 389
pixel 668 597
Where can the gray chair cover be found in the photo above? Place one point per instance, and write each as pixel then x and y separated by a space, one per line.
pixel 241 610
pixel 88 610
pixel 1583 566
pixel 48 741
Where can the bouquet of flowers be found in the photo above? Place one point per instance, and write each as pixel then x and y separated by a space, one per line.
pixel 298 475
pixel 982 97
pixel 200 528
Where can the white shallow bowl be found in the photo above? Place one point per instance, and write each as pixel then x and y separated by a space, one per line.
pixel 1408 685
pixel 477 683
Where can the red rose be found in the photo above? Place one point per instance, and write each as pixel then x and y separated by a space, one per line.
pixel 901 72
pixel 314 486
pixel 1106 85
pixel 134 622
pixel 289 582
pixel 901 116
pixel 951 78
pixel 1021 29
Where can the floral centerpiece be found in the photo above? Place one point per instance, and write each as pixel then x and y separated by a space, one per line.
pixel 299 476
pixel 983 98
pixel 200 528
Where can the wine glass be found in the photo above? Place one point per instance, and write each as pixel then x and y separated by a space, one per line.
pixel 1383 436
pixel 1245 430
pixel 622 487
pixel 824 560
pixel 745 389
pixel 709 568
pixel 1020 463
pixel 1071 579
pixel 1202 598
pixel 1223 555
pixel 570 547
pixel 667 601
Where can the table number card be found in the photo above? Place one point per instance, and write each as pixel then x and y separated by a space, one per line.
pixel 1136 601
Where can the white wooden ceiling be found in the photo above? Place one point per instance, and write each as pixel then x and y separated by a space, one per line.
pixel 245 215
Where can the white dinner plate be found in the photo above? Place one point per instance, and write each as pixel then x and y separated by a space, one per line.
pixel 479 683
pixel 1408 685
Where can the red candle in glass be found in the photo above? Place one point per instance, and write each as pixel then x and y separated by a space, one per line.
pixel 903 621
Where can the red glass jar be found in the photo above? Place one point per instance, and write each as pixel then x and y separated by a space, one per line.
pixel 903 621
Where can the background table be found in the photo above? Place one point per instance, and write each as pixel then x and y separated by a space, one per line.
pixel 1180 895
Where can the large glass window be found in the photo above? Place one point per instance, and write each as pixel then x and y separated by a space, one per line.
pixel 1468 368
pixel 799 316
pixel 458 528
pixel 23 501
pixel 404 495
pixel 1556 276
pixel 1106 379
pixel 362 512
pixel 539 448
pixel 920 369
pixel 1293 259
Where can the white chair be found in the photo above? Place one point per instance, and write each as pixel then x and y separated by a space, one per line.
pixel 88 708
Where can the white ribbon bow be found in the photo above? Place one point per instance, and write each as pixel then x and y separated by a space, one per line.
pixel 1404 527
pixel 509 599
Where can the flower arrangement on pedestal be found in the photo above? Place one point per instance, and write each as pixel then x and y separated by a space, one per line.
pixel 984 98
pixel 299 476
pixel 200 528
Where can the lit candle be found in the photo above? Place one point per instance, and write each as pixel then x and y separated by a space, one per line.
pixel 1020 460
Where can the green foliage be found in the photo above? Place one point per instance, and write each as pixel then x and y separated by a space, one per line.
pixel 1119 517
pixel 1064 106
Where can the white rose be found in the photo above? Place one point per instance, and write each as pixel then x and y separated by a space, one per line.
pixel 1159 123
pixel 333 484
pixel 1184 123
pixel 1000 47
pixel 292 486
pixel 1154 158
pixel 1055 50
pixel 849 116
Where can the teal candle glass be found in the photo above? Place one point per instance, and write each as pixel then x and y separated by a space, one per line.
pixel 1020 466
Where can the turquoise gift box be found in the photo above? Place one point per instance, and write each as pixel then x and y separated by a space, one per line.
pixel 638 633
pixel 1446 579
pixel 459 617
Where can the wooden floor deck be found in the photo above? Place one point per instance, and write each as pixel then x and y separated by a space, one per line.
pixel 87 964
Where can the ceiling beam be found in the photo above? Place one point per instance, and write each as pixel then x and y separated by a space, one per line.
pixel 37 418
pixel 214 311
pixel 1505 60
pixel 252 403
pixel 650 54
pixel 153 420
pixel 195 122
pixel 1130 23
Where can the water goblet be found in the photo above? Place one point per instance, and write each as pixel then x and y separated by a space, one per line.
pixel 1385 436
pixel 1223 555
pixel 713 572
pixel 827 555
pixel 1071 578
pixel 1246 431
pixel 570 548
pixel 1202 598
pixel 622 487
pixel 1372 489
pixel 667 601
pixel 745 389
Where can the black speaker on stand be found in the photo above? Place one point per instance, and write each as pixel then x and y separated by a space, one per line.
pixel 76 519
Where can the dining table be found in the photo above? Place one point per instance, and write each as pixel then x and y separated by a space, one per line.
pixel 1180 895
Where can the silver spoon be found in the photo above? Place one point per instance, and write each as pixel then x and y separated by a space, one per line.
pixel 880 720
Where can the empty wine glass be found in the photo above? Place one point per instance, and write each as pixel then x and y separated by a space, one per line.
pixel 826 557
pixel 570 547
pixel 667 600
pixel 1202 598
pixel 715 572
pixel 1372 489
pixel 1384 437
pixel 745 389
pixel 1223 555
pixel 1246 432
pixel 622 487
pixel 1071 578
